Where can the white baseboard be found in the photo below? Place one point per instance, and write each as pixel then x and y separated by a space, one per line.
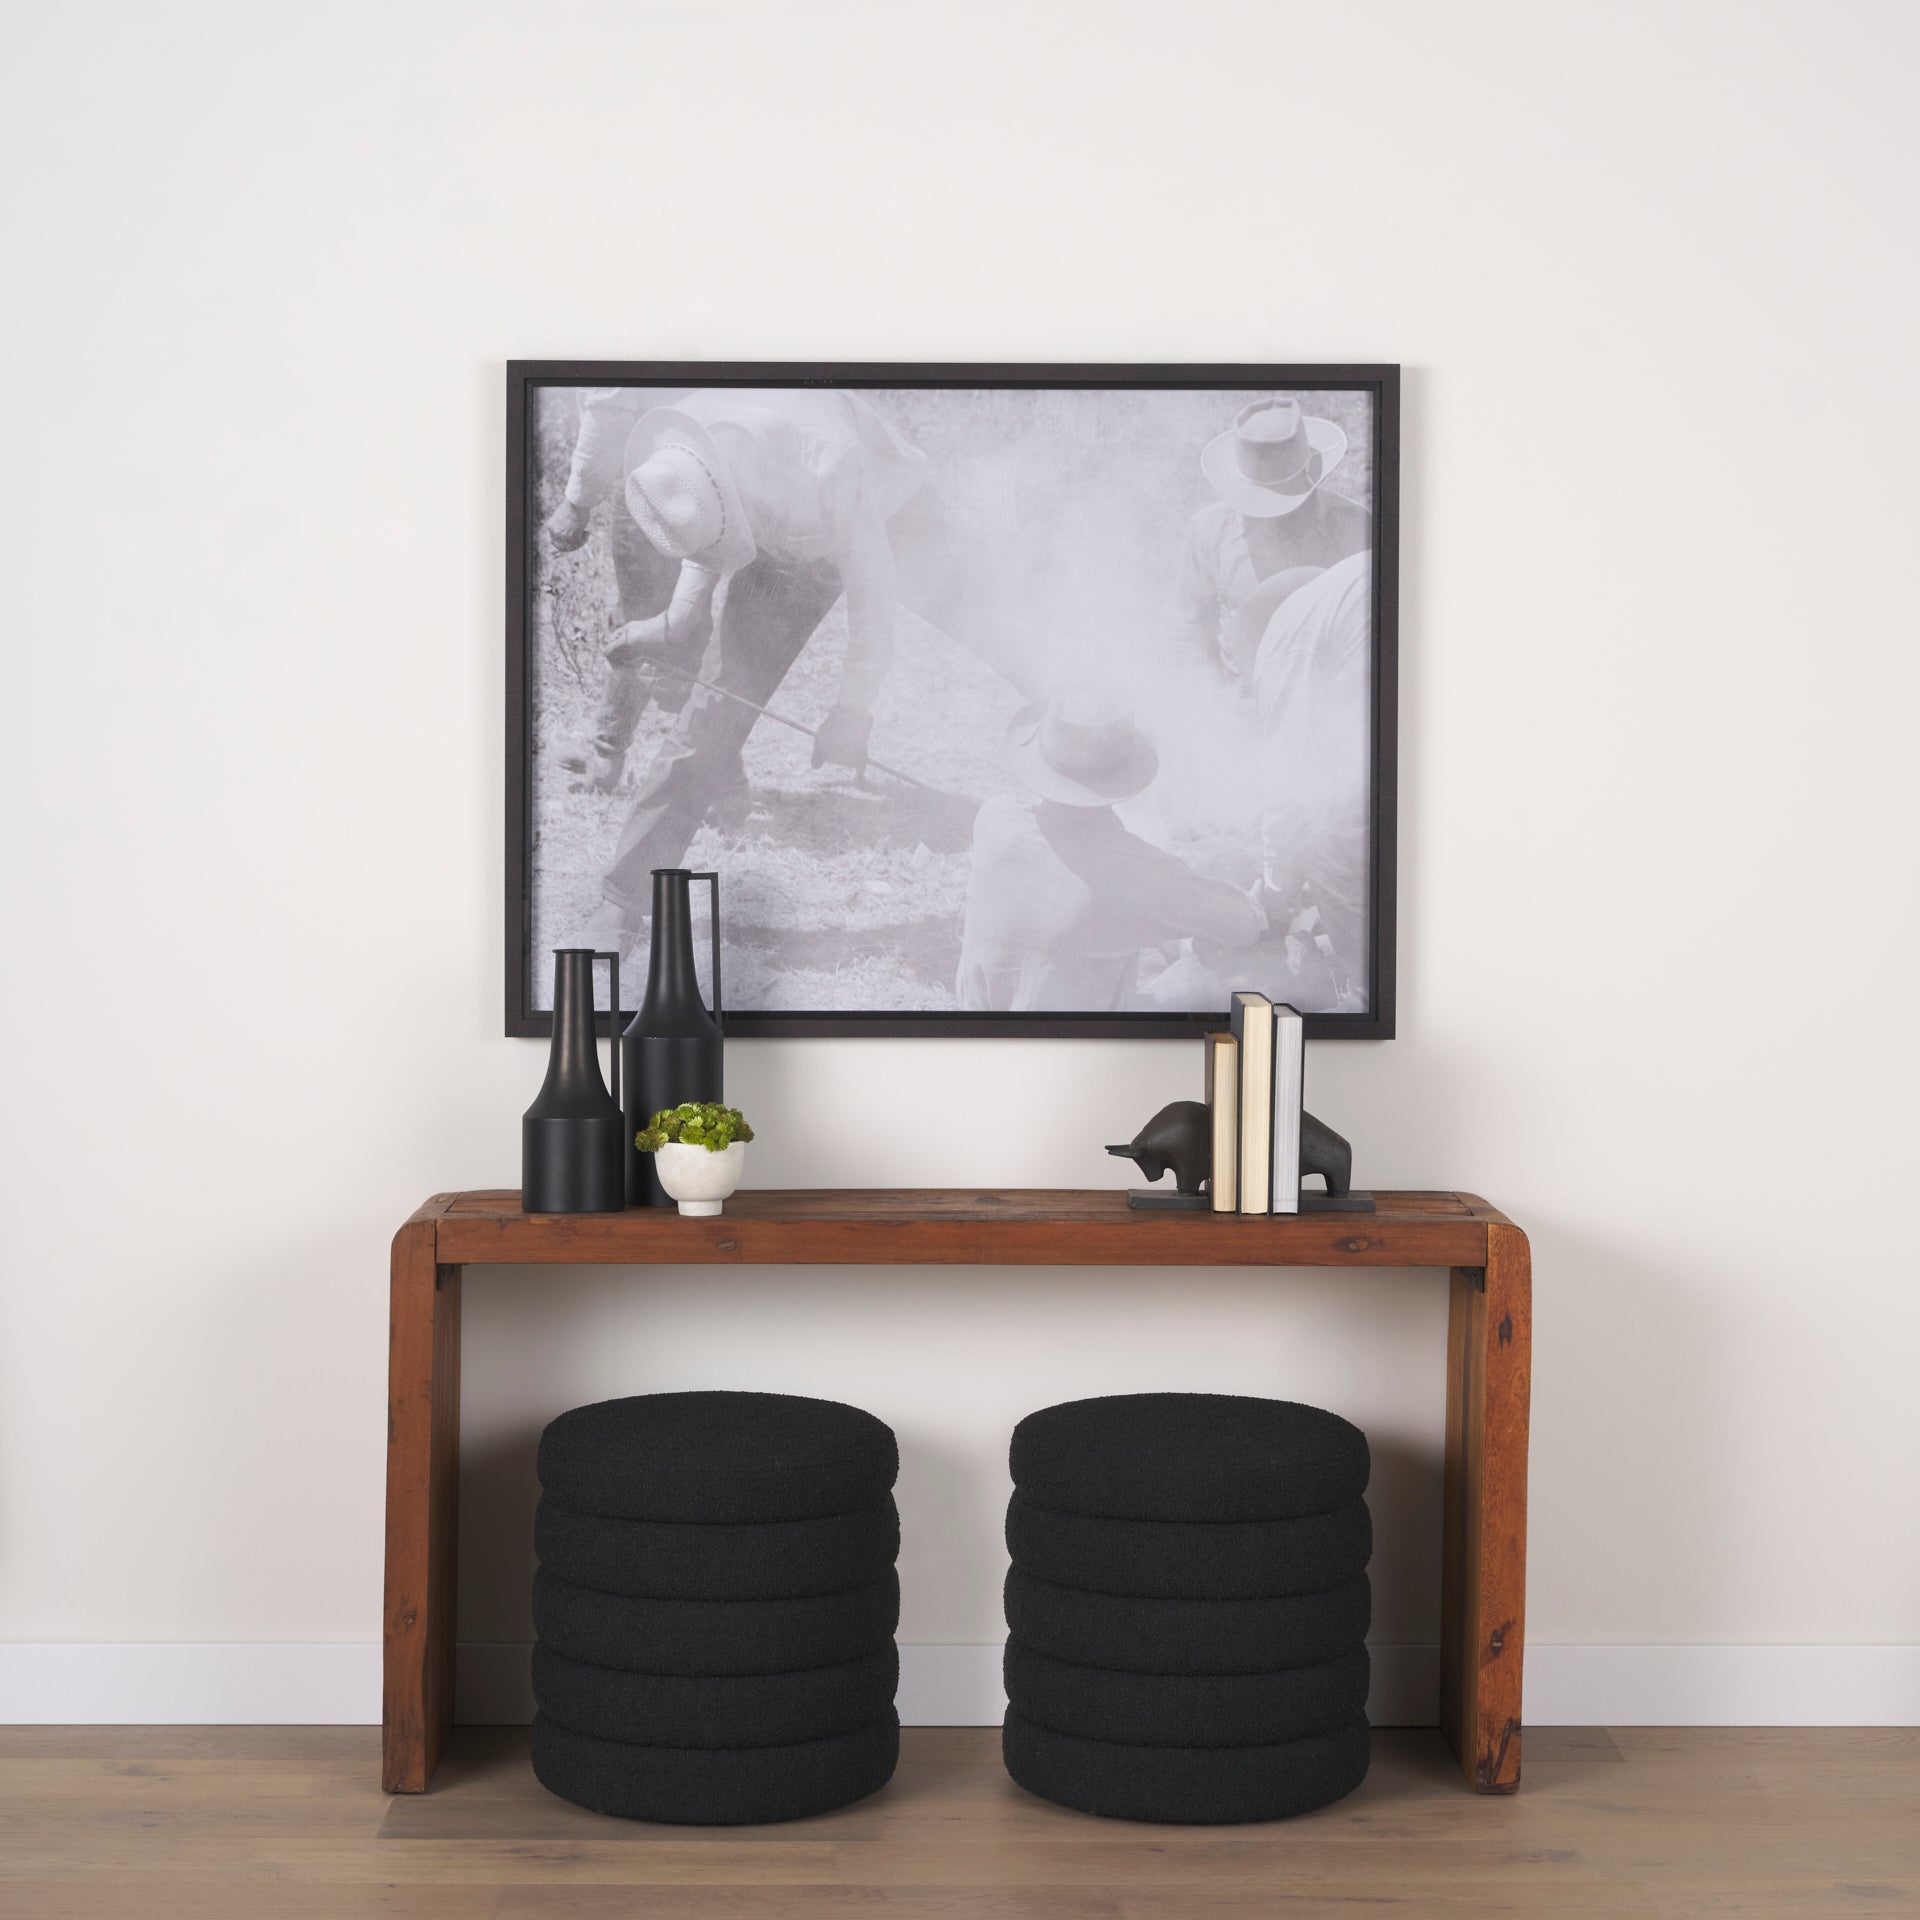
pixel 948 1686
pixel 189 1683
pixel 1800 1686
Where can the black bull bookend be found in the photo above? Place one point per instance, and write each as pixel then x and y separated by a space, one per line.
pixel 1180 1137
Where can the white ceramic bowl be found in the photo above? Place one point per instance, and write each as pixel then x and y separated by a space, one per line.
pixel 698 1179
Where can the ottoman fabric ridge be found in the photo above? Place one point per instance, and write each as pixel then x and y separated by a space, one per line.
pixel 1189 1457
pixel 756 1560
pixel 1186 1710
pixel 1186 1785
pixel 714 1787
pixel 710 1711
pixel 1134 1635
pixel 695 1637
pixel 718 1458
pixel 1171 1559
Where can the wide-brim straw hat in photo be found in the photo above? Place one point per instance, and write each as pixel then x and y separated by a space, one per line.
pixel 1080 746
pixel 681 495
pixel 1273 458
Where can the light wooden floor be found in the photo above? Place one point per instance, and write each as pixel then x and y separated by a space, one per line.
pixel 155 1822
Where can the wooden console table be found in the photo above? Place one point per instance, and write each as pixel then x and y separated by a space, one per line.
pixel 1483 1585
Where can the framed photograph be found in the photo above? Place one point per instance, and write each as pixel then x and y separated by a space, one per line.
pixel 1037 700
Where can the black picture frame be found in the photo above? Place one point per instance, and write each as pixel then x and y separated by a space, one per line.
pixel 522 522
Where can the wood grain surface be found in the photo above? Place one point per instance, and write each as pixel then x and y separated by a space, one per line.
pixel 423 1503
pixel 964 1227
pixel 1483 1569
pixel 234 1823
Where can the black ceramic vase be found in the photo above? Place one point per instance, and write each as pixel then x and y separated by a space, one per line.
pixel 672 1051
pixel 570 1138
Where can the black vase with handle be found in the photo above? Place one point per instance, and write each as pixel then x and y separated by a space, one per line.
pixel 673 1050
pixel 570 1138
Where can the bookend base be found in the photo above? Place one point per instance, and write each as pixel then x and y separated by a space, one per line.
pixel 1167 1200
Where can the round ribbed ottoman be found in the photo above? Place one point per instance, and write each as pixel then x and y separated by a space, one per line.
pixel 1188 1709
pixel 677 1560
pixel 718 1458
pixel 709 1787
pixel 717 1710
pixel 1169 1560
pixel 1188 1457
pixel 694 1637
pixel 1193 1786
pixel 715 1607
pixel 1186 1636
pixel 1188 1607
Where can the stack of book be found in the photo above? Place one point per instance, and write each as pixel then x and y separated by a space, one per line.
pixel 1256 1075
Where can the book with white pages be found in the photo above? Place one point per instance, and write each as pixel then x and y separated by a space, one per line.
pixel 1289 1097
pixel 1252 1022
pixel 1223 1116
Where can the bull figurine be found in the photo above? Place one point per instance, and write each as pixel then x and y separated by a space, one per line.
pixel 1180 1137
pixel 1325 1152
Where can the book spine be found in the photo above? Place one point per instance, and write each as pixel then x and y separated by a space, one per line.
pixel 1289 1088
pixel 1253 1017
pixel 1223 1114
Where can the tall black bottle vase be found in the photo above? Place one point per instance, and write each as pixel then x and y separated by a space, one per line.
pixel 570 1138
pixel 674 1049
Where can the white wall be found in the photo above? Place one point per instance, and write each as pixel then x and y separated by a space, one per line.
pixel 1650 270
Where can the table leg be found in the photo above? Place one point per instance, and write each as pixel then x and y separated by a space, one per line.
pixel 423 1497
pixel 1484 1564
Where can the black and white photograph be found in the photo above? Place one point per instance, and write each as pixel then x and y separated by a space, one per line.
pixel 1001 699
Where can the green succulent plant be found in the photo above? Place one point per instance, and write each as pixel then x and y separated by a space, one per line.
pixel 694 1124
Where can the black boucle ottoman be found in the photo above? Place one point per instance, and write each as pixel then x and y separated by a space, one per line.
pixel 756 1710
pixel 725 1787
pixel 1171 1559
pixel 715 1607
pixel 1189 1457
pixel 675 1560
pixel 714 1636
pixel 1187 1636
pixel 1188 1785
pixel 718 1458
pixel 1187 1710
pixel 1188 1607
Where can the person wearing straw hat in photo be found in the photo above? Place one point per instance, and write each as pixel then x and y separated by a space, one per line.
pixel 1062 897
pixel 1274 512
pixel 782 499
pixel 644 577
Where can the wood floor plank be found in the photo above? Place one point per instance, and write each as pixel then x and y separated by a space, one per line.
pixel 224 1900
pixel 288 1824
pixel 814 1903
